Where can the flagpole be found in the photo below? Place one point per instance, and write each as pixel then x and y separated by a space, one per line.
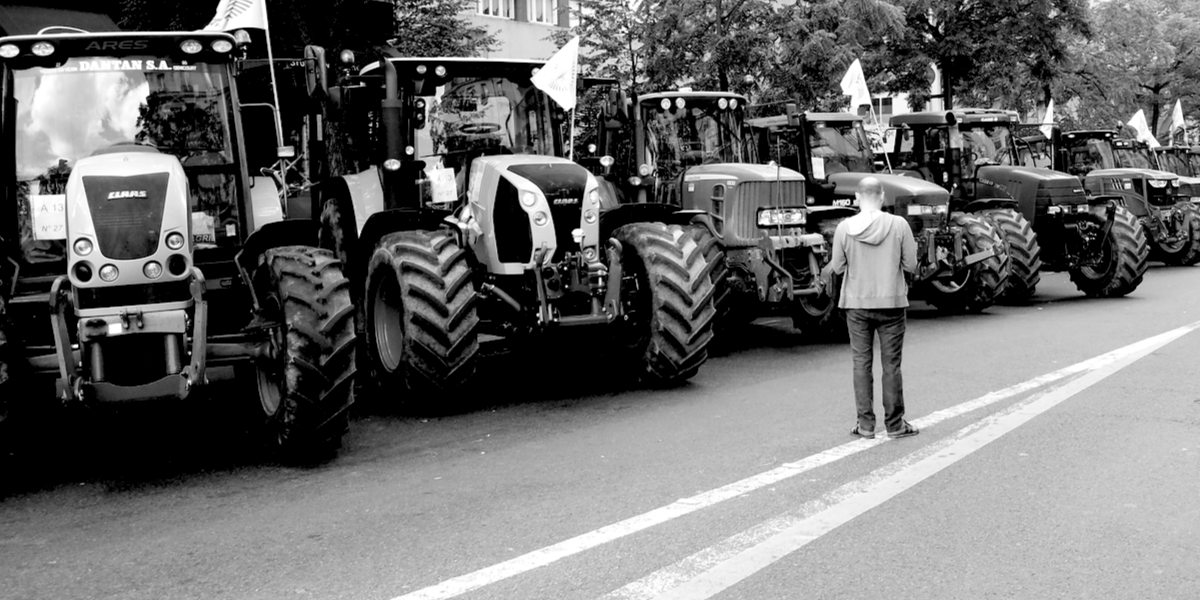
pixel 571 149
pixel 274 88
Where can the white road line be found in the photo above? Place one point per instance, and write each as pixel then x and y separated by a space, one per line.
pixel 550 554
pixel 717 568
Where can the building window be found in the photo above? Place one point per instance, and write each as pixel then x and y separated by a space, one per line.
pixel 543 11
pixel 495 8
pixel 882 107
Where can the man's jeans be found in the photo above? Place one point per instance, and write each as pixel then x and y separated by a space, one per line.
pixel 862 325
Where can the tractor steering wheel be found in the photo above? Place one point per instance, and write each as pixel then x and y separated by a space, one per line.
pixel 479 128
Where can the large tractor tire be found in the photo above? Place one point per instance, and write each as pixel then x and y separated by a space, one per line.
pixel 730 313
pixel 667 292
pixel 422 326
pixel 1024 254
pixel 985 279
pixel 6 388
pixel 820 316
pixel 1186 252
pixel 1126 252
pixel 306 385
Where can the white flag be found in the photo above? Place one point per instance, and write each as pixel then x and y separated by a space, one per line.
pixel 1176 121
pixel 854 84
pixel 239 14
pixel 1048 120
pixel 557 76
pixel 1138 123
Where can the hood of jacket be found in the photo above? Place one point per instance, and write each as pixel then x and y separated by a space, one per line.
pixel 869 227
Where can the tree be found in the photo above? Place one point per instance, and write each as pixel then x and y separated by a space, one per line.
pixel 983 47
pixel 435 28
pixel 1144 54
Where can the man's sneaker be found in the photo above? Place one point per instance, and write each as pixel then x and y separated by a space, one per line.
pixel 904 431
pixel 860 432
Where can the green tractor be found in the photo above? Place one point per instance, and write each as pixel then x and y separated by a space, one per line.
pixel 471 222
pixel 140 260
pixel 691 150
pixel 1126 169
pixel 1047 219
pixel 962 259
pixel 1177 160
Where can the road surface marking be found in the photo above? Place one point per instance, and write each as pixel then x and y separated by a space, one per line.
pixel 719 567
pixel 550 554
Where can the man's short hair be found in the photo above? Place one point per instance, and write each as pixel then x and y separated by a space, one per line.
pixel 870 186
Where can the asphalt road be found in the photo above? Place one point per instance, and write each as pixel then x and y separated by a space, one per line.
pixel 556 484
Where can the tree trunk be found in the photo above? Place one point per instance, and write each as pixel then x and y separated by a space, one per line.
pixel 947 88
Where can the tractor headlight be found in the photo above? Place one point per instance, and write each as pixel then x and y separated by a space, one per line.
pixel 589 253
pixel 175 240
pixel 606 161
pixel 83 246
pixel 1158 183
pixel 941 209
pixel 222 46
pixel 1053 210
pixel 152 270
pixel 540 219
pixel 769 217
pixel 9 50
pixel 190 46
pixel 594 197
pixel 109 273
pixel 917 210
pixel 43 48
pixel 391 164
pixel 589 216
pixel 645 170
pixel 1082 208
pixel 528 199
pixel 635 181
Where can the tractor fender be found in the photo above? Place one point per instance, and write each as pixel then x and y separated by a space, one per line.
pixel 625 214
pixel 288 232
pixel 398 219
pixel 981 204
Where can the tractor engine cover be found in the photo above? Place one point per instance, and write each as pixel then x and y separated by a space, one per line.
pixel 524 203
pixel 121 208
pixel 733 193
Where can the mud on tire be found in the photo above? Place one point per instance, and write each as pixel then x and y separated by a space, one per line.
pixel 668 293
pixel 306 387
pixel 1126 250
pixel 422 326
pixel 986 278
pixel 1024 253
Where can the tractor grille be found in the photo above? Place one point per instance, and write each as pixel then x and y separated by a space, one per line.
pixel 133 295
pixel 563 185
pixel 510 224
pixel 742 213
pixel 1163 196
pixel 127 213
pixel 920 223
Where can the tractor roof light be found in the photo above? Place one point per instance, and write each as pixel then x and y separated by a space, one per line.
pixel 9 51
pixel 346 56
pixel 665 104
pixel 680 103
pixel 43 48
pixel 241 37
pixel 723 103
pixel 645 170
pixel 440 71
pixel 190 47
pixel 606 161
pixel 733 103
pixel 222 46
pixel 421 69
pixel 391 164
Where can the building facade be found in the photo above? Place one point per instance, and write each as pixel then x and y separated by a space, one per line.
pixel 523 27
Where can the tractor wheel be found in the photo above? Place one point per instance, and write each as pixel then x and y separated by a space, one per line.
pixel 1024 253
pixel 6 388
pixel 984 280
pixel 1186 252
pixel 306 384
pixel 820 315
pixel 729 313
pixel 667 292
pixel 422 327
pixel 1125 254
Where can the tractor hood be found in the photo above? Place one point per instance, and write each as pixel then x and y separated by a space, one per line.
pixel 741 172
pixel 1133 174
pixel 1033 188
pixel 897 189
pixel 1189 186
pixel 1044 177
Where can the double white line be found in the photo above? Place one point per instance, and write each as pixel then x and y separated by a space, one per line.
pixel 716 568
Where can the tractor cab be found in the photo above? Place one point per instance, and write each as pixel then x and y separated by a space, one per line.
pixel 1174 159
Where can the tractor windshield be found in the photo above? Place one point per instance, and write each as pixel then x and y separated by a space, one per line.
pixel 841 147
pixel 1194 163
pixel 1085 155
pixel 470 116
pixel 1132 158
pixel 991 145
pixel 87 104
pixel 689 132
pixel 1173 162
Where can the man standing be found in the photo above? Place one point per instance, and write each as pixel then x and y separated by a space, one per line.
pixel 874 250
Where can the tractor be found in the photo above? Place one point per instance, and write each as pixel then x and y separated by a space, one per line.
pixel 141 261
pixel 961 258
pixel 1047 219
pixel 470 222
pixel 1126 169
pixel 691 149
pixel 1177 160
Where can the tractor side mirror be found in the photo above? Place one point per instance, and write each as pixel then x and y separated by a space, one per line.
pixel 793 115
pixel 316 77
